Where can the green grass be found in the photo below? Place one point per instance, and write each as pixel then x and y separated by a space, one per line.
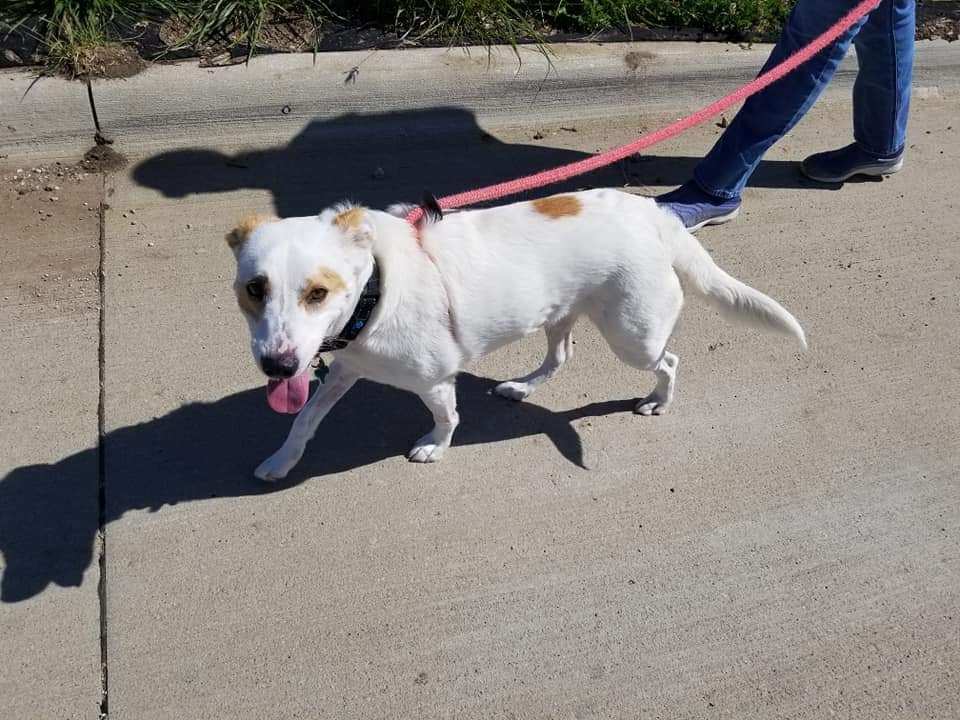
pixel 67 29
pixel 243 20
pixel 457 22
pixel 737 19
pixel 71 33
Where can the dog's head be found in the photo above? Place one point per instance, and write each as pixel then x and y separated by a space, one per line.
pixel 298 280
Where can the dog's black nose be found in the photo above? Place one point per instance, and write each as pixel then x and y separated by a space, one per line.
pixel 279 366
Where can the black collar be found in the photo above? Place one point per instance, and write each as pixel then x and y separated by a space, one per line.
pixel 361 314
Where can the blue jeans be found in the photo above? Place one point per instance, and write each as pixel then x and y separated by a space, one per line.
pixel 881 93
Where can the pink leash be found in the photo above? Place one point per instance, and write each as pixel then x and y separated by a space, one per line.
pixel 595 162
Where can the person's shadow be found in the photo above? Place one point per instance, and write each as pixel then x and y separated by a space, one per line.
pixel 48 517
pixel 382 158
pixel 374 159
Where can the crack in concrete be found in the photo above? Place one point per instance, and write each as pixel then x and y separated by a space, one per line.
pixel 98 135
pixel 101 459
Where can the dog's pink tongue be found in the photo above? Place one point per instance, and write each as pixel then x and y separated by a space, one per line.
pixel 289 396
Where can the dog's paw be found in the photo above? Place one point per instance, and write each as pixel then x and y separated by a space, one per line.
pixel 276 466
pixel 513 390
pixel 426 450
pixel 651 405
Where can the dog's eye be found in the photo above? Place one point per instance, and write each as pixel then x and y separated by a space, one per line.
pixel 256 289
pixel 317 295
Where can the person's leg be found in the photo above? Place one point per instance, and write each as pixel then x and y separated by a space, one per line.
pixel 881 94
pixel 772 113
pixel 881 98
pixel 713 196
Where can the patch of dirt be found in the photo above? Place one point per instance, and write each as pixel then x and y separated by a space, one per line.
pixel 289 34
pixel 110 61
pixel 102 159
pixel 43 178
pixel 48 242
pixel 636 59
pixel 285 34
pixel 938 19
pixel 113 60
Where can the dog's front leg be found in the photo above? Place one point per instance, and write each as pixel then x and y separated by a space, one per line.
pixel 337 382
pixel 442 401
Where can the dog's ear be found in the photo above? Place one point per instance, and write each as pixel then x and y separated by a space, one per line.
pixel 354 222
pixel 239 235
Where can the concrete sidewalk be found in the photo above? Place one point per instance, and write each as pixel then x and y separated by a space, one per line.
pixel 785 543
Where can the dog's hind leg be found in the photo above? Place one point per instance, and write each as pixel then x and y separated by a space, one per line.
pixel 559 350
pixel 657 402
pixel 337 382
pixel 637 325
pixel 441 399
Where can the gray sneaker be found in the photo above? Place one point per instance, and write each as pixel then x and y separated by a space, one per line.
pixel 697 209
pixel 835 166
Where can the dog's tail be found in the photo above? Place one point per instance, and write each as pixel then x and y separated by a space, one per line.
pixel 699 272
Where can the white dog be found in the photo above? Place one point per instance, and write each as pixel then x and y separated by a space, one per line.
pixel 410 307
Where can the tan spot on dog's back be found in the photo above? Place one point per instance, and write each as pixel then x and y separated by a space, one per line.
pixel 349 218
pixel 247 225
pixel 323 279
pixel 558 206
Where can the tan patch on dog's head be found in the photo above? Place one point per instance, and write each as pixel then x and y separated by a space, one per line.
pixel 239 235
pixel 318 286
pixel 250 305
pixel 349 219
pixel 558 206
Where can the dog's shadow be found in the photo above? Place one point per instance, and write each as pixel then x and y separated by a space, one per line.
pixel 48 514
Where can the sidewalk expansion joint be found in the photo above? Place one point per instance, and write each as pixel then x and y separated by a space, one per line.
pixel 101 460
